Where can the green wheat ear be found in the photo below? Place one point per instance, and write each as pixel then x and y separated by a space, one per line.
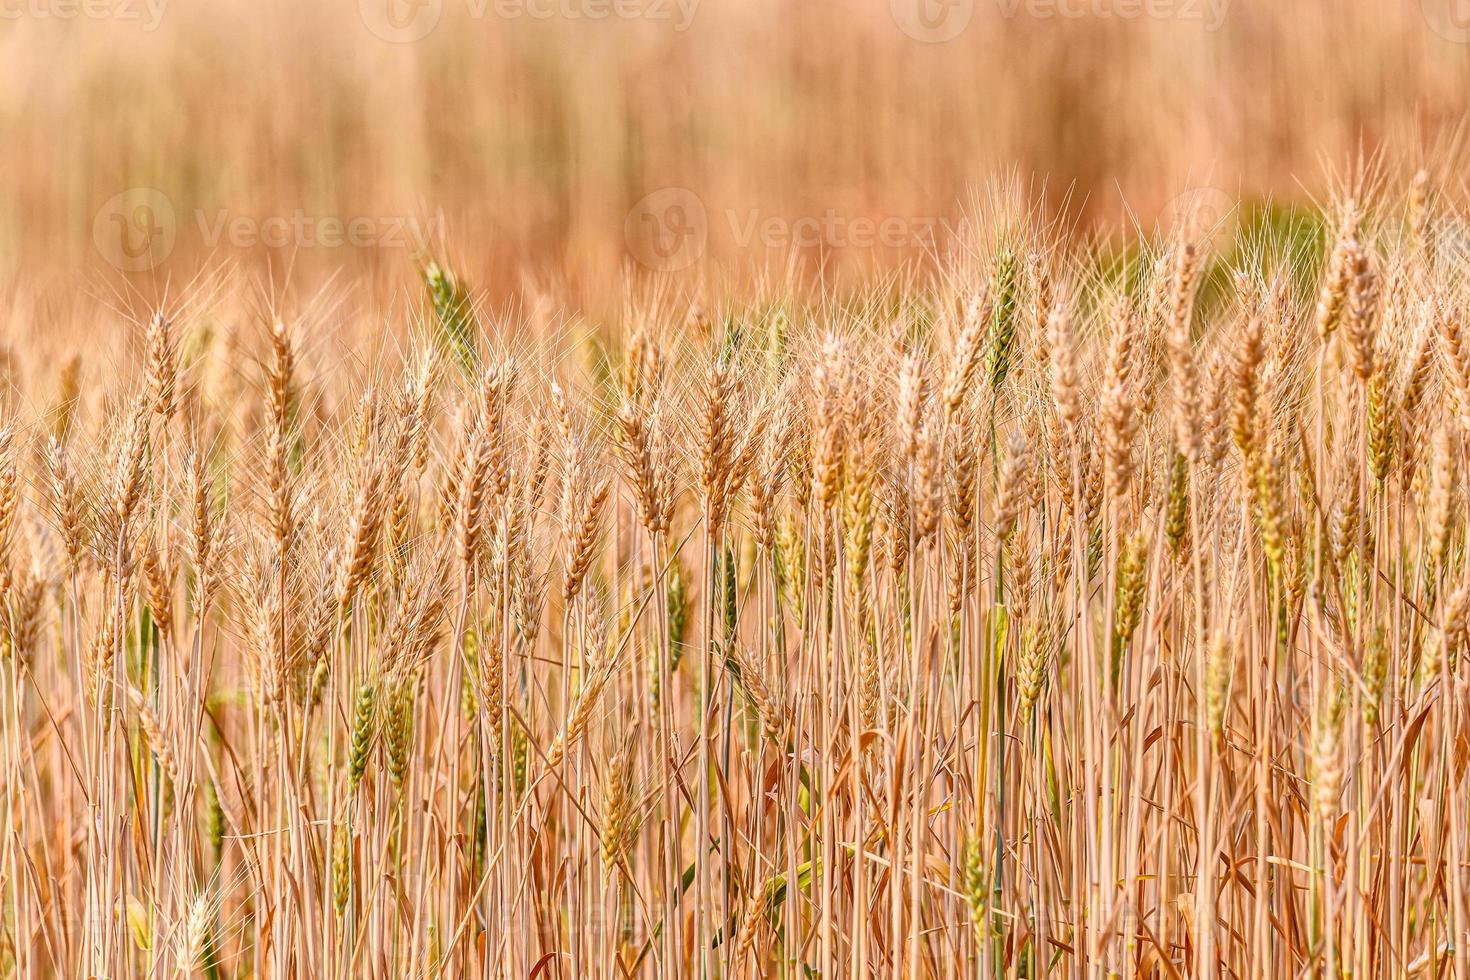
pixel 1003 319
pixel 676 623
pixel 1177 520
pixel 678 611
pixel 779 326
pixel 730 602
pixel 398 730
pixel 362 733
pixel 342 867
pixel 455 313
pixel 973 868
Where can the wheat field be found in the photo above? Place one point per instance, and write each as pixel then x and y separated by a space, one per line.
pixel 1063 611
pixel 679 488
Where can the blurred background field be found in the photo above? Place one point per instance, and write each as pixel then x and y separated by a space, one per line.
pixel 519 136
